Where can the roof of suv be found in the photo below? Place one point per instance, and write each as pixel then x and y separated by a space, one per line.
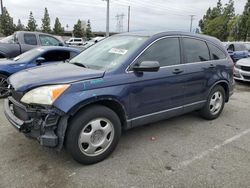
pixel 169 33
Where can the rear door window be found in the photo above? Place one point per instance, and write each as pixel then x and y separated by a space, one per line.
pixel 48 40
pixel 165 51
pixel 216 53
pixel 195 50
pixel 30 39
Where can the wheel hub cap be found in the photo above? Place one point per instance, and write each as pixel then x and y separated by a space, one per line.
pixel 96 136
pixel 216 102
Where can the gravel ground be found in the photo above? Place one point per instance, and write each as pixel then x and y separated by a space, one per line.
pixel 187 152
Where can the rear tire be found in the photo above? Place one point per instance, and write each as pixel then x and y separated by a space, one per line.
pixel 93 134
pixel 215 103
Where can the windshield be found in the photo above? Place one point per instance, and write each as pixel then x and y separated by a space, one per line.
pixel 29 54
pixel 109 53
pixel 10 39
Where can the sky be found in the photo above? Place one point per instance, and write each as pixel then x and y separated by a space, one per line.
pixel 157 15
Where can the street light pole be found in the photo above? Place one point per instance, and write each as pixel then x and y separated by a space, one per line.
pixel 107 19
pixel 128 18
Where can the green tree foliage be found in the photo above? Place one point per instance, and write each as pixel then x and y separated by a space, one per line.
pixel 31 26
pixel 89 33
pixel 7 27
pixel 244 24
pixel 233 26
pixel 20 26
pixel 78 31
pixel 46 22
pixel 216 21
pixel 58 29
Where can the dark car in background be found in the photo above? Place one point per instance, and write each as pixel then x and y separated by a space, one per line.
pixel 22 41
pixel 236 50
pixel 124 81
pixel 35 57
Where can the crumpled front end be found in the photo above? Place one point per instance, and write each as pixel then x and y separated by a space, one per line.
pixel 39 122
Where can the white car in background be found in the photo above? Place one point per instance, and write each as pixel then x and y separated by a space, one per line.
pixel 92 42
pixel 242 70
pixel 75 42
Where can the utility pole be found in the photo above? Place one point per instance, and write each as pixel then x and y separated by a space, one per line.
pixel 1 6
pixel 191 24
pixel 128 18
pixel 107 18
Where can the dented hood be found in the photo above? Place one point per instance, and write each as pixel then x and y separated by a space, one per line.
pixel 58 73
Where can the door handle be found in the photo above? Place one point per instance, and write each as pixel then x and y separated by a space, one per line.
pixel 177 71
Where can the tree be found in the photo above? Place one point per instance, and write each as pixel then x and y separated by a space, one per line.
pixel 89 33
pixel 244 24
pixel 31 26
pixel 216 20
pixel 7 26
pixel 46 22
pixel 58 29
pixel 233 26
pixel 78 31
pixel 20 26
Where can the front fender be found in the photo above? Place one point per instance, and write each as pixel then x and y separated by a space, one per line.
pixel 71 100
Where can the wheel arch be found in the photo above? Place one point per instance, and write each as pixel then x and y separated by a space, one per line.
pixel 225 86
pixel 110 102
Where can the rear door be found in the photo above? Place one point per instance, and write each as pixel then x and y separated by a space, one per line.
pixel 198 70
pixel 154 93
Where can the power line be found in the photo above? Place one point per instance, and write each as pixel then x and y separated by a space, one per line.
pixel 156 6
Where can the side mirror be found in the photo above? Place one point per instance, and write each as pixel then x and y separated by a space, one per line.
pixel 40 60
pixel 61 44
pixel 230 51
pixel 147 66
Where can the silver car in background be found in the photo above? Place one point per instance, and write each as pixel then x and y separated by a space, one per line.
pixel 242 70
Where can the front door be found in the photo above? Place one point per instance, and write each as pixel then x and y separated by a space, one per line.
pixel 155 93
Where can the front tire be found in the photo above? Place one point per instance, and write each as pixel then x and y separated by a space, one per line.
pixel 214 104
pixel 93 134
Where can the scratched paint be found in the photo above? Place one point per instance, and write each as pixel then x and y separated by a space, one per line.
pixel 96 81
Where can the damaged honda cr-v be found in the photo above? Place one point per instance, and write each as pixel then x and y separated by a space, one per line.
pixel 124 81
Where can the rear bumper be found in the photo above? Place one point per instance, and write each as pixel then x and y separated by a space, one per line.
pixel 40 124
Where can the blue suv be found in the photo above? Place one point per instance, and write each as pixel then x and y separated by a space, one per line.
pixel 122 82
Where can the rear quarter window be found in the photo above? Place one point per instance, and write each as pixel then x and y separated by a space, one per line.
pixel 216 53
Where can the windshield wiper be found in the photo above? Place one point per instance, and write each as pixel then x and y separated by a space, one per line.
pixel 79 64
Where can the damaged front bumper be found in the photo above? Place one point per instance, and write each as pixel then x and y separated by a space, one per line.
pixel 47 125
